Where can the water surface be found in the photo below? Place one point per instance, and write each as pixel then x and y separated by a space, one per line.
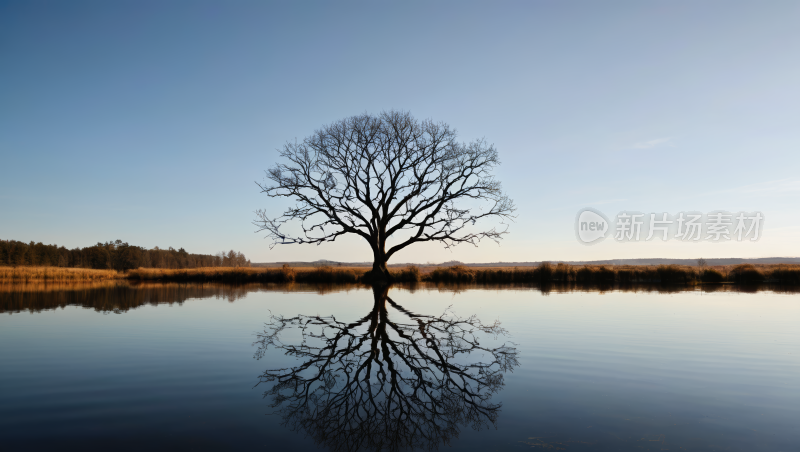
pixel 176 366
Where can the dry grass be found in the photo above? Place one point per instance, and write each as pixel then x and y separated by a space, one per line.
pixel 544 273
pixel 56 274
pixel 750 274
pixel 617 274
pixel 286 274
pixel 563 273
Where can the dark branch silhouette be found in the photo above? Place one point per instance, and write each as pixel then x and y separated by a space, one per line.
pixel 375 176
pixel 379 384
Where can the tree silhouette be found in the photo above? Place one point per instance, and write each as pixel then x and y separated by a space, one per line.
pixel 385 175
pixel 379 384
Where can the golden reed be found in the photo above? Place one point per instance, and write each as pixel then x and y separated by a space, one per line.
pixel 252 274
pixel 56 274
pixel 544 273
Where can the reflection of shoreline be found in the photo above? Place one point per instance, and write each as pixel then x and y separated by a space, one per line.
pixel 120 296
pixel 110 296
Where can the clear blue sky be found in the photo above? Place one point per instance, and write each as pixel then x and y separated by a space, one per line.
pixel 150 121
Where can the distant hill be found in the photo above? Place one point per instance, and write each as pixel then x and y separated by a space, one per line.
pixel 317 263
pixel 709 261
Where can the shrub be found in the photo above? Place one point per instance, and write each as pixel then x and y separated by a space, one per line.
pixel 746 274
pixel 287 273
pixel 675 274
pixel 786 274
pixel 712 275
pixel 545 271
pixel 456 273
pixel 408 274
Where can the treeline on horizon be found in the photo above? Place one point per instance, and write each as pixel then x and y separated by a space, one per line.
pixel 117 255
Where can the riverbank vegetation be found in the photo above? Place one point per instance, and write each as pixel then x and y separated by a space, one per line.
pixel 619 274
pixel 284 274
pixel 544 273
pixel 56 274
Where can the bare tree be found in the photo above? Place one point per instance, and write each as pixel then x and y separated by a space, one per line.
pixel 376 176
pixel 386 382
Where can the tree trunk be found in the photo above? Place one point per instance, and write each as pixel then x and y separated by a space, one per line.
pixel 380 273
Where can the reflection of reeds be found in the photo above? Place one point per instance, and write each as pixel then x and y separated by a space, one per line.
pixel 108 296
pixel 119 295
pixel 55 274
pixel 57 286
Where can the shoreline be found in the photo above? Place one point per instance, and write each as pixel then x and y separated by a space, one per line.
pixel 544 273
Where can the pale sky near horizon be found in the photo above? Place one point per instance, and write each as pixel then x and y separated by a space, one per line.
pixel 150 121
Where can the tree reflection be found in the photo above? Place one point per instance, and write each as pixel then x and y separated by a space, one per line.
pixel 386 382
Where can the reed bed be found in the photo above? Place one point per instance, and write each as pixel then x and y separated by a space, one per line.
pixel 563 273
pixel 286 274
pixel 56 274
pixel 780 273
pixel 544 273
pixel 620 274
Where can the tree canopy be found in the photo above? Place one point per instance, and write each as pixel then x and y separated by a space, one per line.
pixel 380 175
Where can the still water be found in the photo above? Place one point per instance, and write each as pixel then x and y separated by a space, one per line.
pixel 212 367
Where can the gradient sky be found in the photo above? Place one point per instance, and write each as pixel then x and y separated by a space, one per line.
pixel 150 121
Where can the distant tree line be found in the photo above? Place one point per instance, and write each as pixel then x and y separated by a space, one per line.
pixel 116 255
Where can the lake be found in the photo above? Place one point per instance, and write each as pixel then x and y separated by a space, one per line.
pixel 215 367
